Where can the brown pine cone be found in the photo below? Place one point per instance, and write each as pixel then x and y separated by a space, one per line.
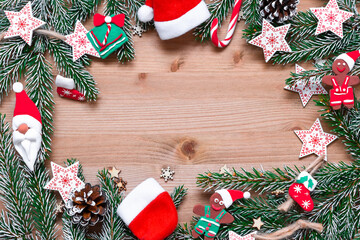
pixel 278 11
pixel 87 206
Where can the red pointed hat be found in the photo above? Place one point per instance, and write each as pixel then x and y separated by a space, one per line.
pixel 350 58
pixel 24 105
pixel 229 196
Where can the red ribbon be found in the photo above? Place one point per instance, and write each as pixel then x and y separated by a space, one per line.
pixel 118 20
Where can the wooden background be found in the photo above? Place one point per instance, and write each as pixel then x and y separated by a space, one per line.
pixel 178 95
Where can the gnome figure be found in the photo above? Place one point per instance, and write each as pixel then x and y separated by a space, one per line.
pixel 173 18
pixel 214 215
pixel 342 92
pixel 149 211
pixel 27 127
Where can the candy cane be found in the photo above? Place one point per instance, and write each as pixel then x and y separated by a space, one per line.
pixel 231 29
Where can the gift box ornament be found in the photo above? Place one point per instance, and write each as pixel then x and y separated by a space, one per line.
pixel 107 35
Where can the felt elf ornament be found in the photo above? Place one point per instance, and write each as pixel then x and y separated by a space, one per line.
pixel 107 36
pixel 342 92
pixel 214 215
pixel 27 126
pixel 173 18
pixel 149 211
pixel 66 89
pixel 300 191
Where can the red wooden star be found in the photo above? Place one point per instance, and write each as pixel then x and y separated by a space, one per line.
pixel 22 24
pixel 64 180
pixel 80 43
pixel 331 18
pixel 272 39
pixel 314 140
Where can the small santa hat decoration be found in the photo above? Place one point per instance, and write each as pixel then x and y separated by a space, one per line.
pixel 229 196
pixel 149 211
pixel 66 88
pixel 350 58
pixel 173 18
pixel 25 109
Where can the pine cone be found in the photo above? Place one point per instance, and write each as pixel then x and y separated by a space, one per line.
pixel 278 11
pixel 87 206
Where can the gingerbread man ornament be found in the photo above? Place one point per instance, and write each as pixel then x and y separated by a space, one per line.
pixel 214 215
pixel 342 92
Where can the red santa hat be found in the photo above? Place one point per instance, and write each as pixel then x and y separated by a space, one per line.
pixel 25 110
pixel 229 196
pixel 149 211
pixel 350 58
pixel 173 18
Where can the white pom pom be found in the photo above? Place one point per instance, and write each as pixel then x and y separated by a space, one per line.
pixel 145 13
pixel 247 195
pixel 18 87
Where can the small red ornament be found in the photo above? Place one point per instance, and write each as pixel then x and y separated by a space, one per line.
pixel 66 89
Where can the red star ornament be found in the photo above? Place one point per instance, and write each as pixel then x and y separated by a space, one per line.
pixel 80 43
pixel 64 180
pixel 306 90
pixel 22 24
pixel 314 140
pixel 272 39
pixel 331 18
pixel 235 236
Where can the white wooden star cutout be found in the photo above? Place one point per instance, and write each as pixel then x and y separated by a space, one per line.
pixel 257 223
pixel 80 43
pixel 306 90
pixel 331 18
pixel 235 236
pixel 114 173
pixel 22 24
pixel 314 140
pixel 64 180
pixel 272 39
pixel 224 170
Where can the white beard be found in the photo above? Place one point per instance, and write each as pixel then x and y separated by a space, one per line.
pixel 28 146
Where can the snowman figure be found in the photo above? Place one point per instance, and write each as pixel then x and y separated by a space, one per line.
pixel 342 92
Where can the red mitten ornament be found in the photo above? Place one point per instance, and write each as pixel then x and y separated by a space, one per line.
pixel 66 89
pixel 300 191
pixel 149 211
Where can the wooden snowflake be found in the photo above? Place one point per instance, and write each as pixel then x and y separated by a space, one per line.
pixel 121 184
pixel 167 174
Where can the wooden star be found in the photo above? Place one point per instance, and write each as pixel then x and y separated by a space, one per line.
pixel 121 184
pixel 257 223
pixel 114 173
pixel 224 170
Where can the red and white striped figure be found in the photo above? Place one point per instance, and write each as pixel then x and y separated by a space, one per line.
pixel 231 29
pixel 66 89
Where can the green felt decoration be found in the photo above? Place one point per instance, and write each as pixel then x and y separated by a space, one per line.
pixel 115 40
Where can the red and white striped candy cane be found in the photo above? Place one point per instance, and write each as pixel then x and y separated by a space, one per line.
pixel 231 29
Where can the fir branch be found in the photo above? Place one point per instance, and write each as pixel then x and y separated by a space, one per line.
pixel 43 202
pixel 13 189
pixel 75 70
pixel 218 9
pixel 80 10
pixel 344 123
pixel 113 227
pixel 178 195
pixel 127 51
pixel 258 181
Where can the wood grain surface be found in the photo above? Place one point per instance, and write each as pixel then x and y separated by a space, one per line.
pixel 189 106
